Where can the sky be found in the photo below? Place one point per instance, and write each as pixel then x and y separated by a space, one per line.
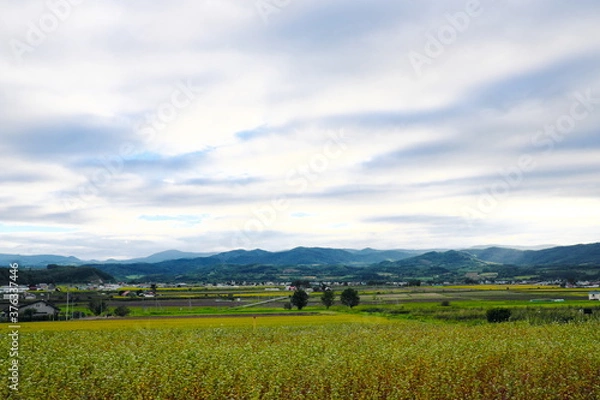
pixel 129 128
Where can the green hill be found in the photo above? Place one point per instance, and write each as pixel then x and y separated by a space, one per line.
pixel 58 275
pixel 578 255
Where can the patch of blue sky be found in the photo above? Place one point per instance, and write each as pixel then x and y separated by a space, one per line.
pixel 145 156
pixel 547 81
pixel 252 133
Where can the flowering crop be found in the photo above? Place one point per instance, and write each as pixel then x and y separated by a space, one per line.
pixel 320 357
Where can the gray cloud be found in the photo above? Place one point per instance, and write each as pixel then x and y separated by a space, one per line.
pixel 66 140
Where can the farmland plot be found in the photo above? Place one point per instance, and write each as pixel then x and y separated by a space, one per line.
pixel 311 360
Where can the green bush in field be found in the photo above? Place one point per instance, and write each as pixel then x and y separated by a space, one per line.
pixel 122 311
pixel 97 307
pixel 498 314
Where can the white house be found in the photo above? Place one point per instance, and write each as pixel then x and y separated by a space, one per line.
pixel 11 289
pixel 41 309
pixel 594 295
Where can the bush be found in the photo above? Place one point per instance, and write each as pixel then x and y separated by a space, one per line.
pixel 445 303
pixel 498 314
pixel 97 307
pixel 121 311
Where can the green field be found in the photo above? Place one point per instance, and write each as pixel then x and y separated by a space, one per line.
pixel 398 344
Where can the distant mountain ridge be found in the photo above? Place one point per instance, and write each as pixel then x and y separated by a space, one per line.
pixel 165 256
pixel 581 254
pixel 434 263
pixel 311 256
pixel 38 261
pixel 367 264
pixel 447 259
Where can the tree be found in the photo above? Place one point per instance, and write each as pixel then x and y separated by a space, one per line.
pixel 350 298
pixel 498 314
pixel 328 298
pixel 299 299
pixel 97 307
pixel 122 311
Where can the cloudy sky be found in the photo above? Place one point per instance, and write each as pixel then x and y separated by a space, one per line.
pixel 128 128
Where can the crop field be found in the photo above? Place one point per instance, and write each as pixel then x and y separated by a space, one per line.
pixel 332 356
pixel 193 301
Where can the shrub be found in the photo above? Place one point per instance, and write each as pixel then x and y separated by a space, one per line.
pixel 122 311
pixel 498 314
pixel 97 307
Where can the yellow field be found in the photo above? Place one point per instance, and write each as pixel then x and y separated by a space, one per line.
pixel 244 321
pixel 500 287
pixel 304 357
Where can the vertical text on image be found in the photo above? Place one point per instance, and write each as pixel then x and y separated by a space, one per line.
pixel 13 317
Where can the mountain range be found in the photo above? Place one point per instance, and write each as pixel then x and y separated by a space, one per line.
pixel 298 255
pixel 38 261
pixel 329 263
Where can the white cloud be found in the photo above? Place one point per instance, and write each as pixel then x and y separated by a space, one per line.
pixel 266 100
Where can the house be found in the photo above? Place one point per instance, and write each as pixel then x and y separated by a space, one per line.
pixel 13 292
pixel 41 309
pixel 13 289
pixel 594 295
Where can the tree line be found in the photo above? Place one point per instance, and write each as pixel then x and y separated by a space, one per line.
pixel 349 297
